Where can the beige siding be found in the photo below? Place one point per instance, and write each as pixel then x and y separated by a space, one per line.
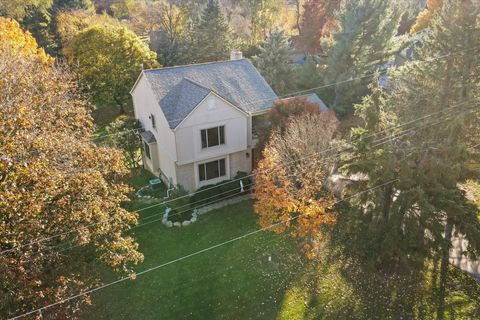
pixel 186 176
pixel 145 104
pixel 240 162
pixel 211 112
pixel 151 164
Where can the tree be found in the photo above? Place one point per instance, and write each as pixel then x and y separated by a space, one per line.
pixel 122 9
pixel 71 5
pixel 17 8
pixel 70 23
pixel 274 62
pixel 37 20
pixel 174 41
pixel 361 41
pixel 108 60
pixel 289 188
pixel 317 21
pixel 41 21
pixel 413 219
pixel 123 133
pixel 424 18
pixel 211 35
pixel 53 181
pixel 279 116
pixel 309 75
pixel 263 15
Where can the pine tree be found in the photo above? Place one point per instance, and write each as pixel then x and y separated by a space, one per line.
pixel 211 41
pixel 413 219
pixel 360 43
pixel 309 74
pixel 274 62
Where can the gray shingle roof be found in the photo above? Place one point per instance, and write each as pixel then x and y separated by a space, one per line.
pixel 179 89
pixel 311 97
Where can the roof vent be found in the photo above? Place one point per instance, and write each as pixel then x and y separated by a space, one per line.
pixel 236 55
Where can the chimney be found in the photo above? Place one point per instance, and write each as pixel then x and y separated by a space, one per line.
pixel 236 55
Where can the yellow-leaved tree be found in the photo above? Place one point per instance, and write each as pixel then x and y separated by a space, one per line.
pixel 57 188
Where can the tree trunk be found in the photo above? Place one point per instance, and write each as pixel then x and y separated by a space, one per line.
pixel 444 270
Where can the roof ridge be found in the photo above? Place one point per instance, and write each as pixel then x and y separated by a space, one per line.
pixel 197 83
pixel 194 65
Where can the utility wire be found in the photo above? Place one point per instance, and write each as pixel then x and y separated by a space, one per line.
pixel 377 143
pixel 238 179
pixel 189 255
pixel 289 95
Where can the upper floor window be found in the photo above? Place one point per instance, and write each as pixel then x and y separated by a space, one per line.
pixel 213 136
pixel 152 118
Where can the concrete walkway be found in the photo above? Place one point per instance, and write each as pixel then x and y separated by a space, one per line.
pixel 224 203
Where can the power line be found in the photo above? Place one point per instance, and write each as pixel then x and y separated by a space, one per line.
pixel 376 144
pixel 189 255
pixel 247 176
pixel 289 95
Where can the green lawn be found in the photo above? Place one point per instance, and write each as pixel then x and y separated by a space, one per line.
pixel 234 281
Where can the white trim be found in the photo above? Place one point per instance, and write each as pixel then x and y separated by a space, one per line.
pixel 218 134
pixel 259 113
pixel 199 184
pixel 136 82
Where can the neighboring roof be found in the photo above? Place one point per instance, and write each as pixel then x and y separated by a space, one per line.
pixel 180 89
pixel 148 137
pixel 311 97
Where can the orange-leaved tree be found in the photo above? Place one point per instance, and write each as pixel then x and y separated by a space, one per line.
pixel 317 21
pixel 278 117
pixel 57 188
pixel 424 18
pixel 291 183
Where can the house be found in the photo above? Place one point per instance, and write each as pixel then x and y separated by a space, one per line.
pixel 199 120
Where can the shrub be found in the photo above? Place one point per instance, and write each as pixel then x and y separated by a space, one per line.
pixel 205 195
pixel 222 190
pixel 178 200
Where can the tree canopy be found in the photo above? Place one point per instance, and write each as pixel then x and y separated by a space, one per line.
pixel 211 36
pixel 287 187
pixel 108 60
pixel 274 62
pixel 361 42
pixel 57 188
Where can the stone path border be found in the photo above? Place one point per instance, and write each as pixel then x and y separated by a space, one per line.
pixel 202 210
pixel 224 203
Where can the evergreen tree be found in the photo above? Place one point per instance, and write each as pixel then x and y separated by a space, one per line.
pixel 211 35
pixel 309 74
pixel 413 219
pixel 274 62
pixel 38 21
pixel 360 43
pixel 68 5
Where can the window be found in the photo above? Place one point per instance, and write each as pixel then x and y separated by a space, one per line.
pixel 152 118
pixel 213 136
pixel 211 170
pixel 147 150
